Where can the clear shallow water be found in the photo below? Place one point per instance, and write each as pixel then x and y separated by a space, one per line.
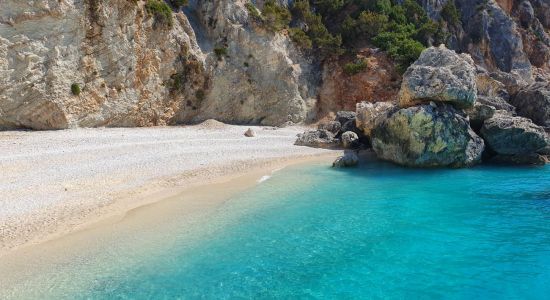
pixel 378 231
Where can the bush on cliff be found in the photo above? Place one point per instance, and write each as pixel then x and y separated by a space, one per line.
pixel 275 17
pixel 161 11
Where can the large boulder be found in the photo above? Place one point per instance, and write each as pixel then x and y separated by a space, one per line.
pixel 427 136
pixel 349 159
pixel 369 115
pixel 508 135
pixel 533 102
pixel 441 75
pixel 350 139
pixel 320 138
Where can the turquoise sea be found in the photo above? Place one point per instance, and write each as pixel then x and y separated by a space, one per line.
pixel 312 232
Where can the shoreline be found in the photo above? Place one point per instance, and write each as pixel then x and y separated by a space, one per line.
pixel 27 230
pixel 192 205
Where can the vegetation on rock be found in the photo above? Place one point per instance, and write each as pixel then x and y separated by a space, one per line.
pixel 161 11
pixel 75 89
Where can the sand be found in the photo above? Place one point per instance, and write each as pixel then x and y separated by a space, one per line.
pixel 56 182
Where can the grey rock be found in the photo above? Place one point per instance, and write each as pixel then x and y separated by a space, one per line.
pixel 317 138
pixel 349 139
pixel 479 113
pixel 497 103
pixel 349 159
pixel 533 102
pixel 424 136
pixel 509 135
pixel 369 115
pixel 440 75
pixel 250 133
pixel 526 13
pixel 332 126
pixel 345 116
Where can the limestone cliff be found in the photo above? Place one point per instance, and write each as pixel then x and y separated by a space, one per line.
pixel 125 67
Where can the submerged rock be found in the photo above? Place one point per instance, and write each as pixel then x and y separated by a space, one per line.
pixel 508 135
pixel 349 159
pixel 441 75
pixel 533 102
pixel 319 138
pixel 427 136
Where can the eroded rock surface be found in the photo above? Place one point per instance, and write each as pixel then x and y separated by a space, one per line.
pixel 533 102
pixel 440 75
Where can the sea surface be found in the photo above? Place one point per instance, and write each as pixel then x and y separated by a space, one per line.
pixel 313 232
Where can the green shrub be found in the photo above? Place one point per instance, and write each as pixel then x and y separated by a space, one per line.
pixel 253 11
pixel 161 11
pixel 178 3
pixel 450 13
pixel 220 52
pixel 75 89
pixel 322 40
pixel 356 67
pixel 300 38
pixel 275 17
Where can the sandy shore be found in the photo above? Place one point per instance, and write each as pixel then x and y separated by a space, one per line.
pixel 56 182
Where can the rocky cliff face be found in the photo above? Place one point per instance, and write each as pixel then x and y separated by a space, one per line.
pixel 131 69
pixel 256 76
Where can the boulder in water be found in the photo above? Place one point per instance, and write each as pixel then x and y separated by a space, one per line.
pixel 508 135
pixel 427 136
pixel 349 159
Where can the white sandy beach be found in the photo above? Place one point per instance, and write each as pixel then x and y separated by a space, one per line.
pixel 54 182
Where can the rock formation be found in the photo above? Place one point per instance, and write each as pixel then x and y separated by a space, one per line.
pixel 441 75
pixel 533 102
pixel 427 136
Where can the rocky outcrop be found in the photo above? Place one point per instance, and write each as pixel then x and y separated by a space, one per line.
pixel 533 102
pixel 427 136
pixel 256 76
pixel 94 63
pixel 319 138
pixel 370 115
pixel 440 75
pixel 507 135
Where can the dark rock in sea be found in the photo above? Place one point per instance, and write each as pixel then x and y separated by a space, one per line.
pixel 508 135
pixel 533 102
pixel 427 136
pixel 319 138
pixel 440 75
pixel 349 159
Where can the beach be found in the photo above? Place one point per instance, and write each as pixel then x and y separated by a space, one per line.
pixel 56 182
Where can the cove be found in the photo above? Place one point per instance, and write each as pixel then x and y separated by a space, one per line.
pixel 312 232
